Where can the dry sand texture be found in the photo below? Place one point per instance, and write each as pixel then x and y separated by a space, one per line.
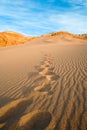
pixel 13 38
pixel 43 85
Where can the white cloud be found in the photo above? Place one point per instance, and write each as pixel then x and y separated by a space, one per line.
pixel 28 19
pixel 75 23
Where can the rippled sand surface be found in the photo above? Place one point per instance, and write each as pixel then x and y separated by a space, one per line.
pixel 43 85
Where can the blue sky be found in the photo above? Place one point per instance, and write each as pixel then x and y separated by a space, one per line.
pixel 37 17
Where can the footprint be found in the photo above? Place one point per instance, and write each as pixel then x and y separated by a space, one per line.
pixel 38 88
pixel 43 88
pixel 36 120
pixel 14 108
pixel 46 75
pixel 52 77
pixel 46 71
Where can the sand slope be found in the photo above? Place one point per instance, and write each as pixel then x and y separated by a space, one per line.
pixel 43 85
pixel 13 38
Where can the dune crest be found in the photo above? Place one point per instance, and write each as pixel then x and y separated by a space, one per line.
pixel 62 33
pixel 12 38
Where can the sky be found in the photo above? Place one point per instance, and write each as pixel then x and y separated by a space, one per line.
pixel 38 17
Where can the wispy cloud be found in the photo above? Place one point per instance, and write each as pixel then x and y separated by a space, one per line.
pixel 78 2
pixel 75 23
pixel 36 18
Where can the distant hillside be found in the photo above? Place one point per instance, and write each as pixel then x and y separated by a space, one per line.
pixel 12 38
pixel 80 36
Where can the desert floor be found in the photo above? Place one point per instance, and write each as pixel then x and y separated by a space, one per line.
pixel 43 85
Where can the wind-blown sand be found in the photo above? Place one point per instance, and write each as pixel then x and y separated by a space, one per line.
pixel 43 85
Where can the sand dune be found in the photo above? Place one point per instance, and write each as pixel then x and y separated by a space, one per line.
pixel 12 38
pixel 43 84
pixel 67 34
